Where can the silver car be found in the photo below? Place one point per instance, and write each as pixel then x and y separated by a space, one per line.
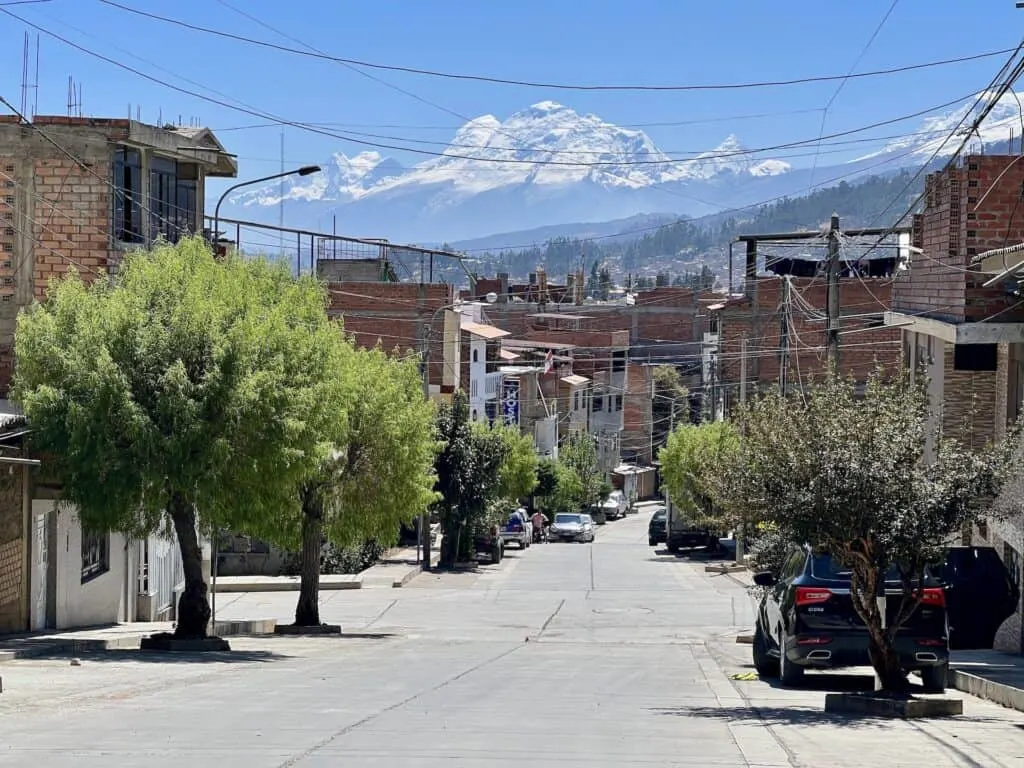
pixel 572 527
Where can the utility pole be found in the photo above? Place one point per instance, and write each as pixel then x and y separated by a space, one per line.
pixel 832 328
pixel 739 534
pixel 787 286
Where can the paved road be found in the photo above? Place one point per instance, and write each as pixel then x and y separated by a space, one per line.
pixel 564 655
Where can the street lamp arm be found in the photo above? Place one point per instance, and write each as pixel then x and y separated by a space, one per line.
pixel 305 170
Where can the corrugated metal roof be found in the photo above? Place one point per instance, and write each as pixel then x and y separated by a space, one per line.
pixel 506 355
pixel 716 307
pixel 484 331
pixel 575 380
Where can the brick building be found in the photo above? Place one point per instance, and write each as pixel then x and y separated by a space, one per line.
pixel 79 192
pixel 963 321
pixel 785 332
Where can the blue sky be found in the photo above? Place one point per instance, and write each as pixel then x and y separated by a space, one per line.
pixel 597 42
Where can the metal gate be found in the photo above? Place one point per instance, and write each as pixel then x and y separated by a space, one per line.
pixel 161 575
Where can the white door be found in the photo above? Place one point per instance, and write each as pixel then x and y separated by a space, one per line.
pixel 40 565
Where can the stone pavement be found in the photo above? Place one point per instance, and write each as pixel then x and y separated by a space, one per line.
pixel 564 654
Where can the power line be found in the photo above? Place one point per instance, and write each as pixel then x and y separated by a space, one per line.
pixel 845 80
pixel 546 85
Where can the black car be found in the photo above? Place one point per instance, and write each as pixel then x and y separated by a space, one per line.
pixel 807 621
pixel 656 529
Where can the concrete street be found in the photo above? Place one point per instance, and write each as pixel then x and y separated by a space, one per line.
pixel 563 655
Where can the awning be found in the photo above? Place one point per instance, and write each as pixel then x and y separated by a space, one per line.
pixel 484 331
pixel 574 380
pixel 506 355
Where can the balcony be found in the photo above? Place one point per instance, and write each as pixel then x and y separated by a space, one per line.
pixel 492 386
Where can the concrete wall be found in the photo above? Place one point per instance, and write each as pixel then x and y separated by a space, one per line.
pixel 106 598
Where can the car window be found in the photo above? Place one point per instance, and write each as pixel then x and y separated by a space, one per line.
pixel 564 519
pixel 659 515
pixel 587 519
pixel 793 566
pixel 824 566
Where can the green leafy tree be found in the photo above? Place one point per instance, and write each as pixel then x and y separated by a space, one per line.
pixel 691 463
pixel 186 395
pixel 850 475
pixel 468 469
pixel 670 406
pixel 580 455
pixel 558 487
pixel 518 474
pixel 379 473
pixel 604 283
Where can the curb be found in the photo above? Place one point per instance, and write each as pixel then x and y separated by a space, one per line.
pixel 999 693
pixel 409 576
pixel 284 584
pixel 127 643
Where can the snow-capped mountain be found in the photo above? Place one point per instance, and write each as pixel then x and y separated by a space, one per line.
pixel 548 164
pixel 1005 121
pixel 542 165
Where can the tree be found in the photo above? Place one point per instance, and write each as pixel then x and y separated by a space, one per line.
pixel 671 402
pixel 517 477
pixel 580 455
pixel 850 475
pixel 558 486
pixel 468 469
pixel 379 473
pixel 186 395
pixel 604 283
pixel 691 462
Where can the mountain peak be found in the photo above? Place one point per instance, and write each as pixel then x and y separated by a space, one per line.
pixel 545 107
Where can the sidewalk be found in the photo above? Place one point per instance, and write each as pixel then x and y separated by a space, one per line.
pixel 228 584
pixel 396 570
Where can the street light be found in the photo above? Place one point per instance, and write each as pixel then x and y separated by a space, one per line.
pixel 490 298
pixel 305 170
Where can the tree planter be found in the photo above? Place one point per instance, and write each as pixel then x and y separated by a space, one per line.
pixel 166 642
pixel 891 705
pixel 316 629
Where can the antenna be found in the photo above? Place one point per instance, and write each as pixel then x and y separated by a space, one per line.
pixel 35 82
pixel 24 75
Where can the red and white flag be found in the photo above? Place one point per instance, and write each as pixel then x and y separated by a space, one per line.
pixel 549 362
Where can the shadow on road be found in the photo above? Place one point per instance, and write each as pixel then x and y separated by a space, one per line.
pixel 164 657
pixel 808 716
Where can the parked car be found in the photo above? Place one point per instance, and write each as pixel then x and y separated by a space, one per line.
pixel 806 620
pixel 577 526
pixel 519 532
pixel 490 545
pixel 980 595
pixel 615 506
pixel 656 528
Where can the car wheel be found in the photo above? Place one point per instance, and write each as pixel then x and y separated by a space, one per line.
pixel 935 679
pixel 652 543
pixel 765 665
pixel 790 675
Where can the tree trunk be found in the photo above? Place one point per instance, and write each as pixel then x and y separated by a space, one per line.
pixel 886 662
pixel 307 612
pixel 193 606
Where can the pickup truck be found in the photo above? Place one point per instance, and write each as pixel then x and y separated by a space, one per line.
pixel 520 533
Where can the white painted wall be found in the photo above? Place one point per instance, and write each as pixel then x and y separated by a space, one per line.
pixel 104 599
pixel 477 378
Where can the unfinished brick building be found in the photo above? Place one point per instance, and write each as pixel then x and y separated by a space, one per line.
pixel 80 192
pixel 962 321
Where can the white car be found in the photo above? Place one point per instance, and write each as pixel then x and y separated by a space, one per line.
pixel 615 506
pixel 572 527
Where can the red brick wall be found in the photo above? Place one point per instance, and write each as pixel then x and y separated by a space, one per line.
pixel 637 413
pixel 393 315
pixel 969 209
pixel 860 353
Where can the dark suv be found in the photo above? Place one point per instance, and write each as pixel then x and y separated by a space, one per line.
pixel 656 533
pixel 807 620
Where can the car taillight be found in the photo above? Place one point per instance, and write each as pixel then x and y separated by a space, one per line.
pixel 933 596
pixel 812 595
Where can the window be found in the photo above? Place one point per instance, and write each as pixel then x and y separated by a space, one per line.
pixel 127 195
pixel 618 402
pixel 95 555
pixel 172 198
pixel 1011 558
pixel 618 361
pixel 975 357
pixel 598 403
pixel 476 355
pixel 713 323
pixel 575 401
